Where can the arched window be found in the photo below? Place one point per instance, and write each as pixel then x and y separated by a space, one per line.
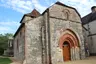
pixel 66 13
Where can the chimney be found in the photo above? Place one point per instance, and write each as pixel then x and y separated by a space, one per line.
pixel 93 9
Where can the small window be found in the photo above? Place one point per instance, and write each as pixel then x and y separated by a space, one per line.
pixel 66 13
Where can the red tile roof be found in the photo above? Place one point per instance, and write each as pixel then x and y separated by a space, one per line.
pixel 33 14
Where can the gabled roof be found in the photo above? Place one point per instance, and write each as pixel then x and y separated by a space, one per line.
pixel 33 14
pixel 88 18
pixel 59 3
pixel 22 25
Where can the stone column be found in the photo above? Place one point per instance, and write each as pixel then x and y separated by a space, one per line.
pixel 82 53
pixel 72 54
pixel 77 54
pixel 59 55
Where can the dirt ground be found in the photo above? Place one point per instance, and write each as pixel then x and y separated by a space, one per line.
pixel 14 61
pixel 88 60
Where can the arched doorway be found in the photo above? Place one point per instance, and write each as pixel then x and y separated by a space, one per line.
pixel 66 51
pixel 68 43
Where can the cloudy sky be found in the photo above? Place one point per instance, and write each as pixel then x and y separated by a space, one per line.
pixel 11 11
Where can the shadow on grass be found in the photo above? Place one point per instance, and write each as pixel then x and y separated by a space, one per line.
pixel 5 61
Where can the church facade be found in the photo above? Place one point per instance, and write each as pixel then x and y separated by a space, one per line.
pixel 55 36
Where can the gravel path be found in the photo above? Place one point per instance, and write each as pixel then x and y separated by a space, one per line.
pixel 88 60
pixel 14 61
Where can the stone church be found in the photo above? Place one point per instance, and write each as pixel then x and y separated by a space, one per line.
pixel 53 37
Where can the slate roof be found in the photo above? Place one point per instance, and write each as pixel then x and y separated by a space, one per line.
pixel 88 18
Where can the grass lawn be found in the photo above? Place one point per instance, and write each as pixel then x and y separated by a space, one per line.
pixel 5 61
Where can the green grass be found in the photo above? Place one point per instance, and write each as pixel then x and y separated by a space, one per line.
pixel 5 61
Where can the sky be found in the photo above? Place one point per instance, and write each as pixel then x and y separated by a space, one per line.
pixel 12 11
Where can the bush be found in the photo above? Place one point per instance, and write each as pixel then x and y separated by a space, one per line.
pixel 1 51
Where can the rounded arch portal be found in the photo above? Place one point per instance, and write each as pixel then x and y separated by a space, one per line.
pixel 71 39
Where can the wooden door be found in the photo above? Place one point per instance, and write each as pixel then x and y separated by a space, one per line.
pixel 66 52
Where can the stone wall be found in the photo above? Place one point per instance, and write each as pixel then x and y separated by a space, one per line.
pixel 91 36
pixel 26 19
pixel 64 12
pixel 33 41
pixel 92 30
pixel 86 40
pixel 59 23
pixel 19 45
pixel 42 36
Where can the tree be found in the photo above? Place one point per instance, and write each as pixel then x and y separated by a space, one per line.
pixel 4 41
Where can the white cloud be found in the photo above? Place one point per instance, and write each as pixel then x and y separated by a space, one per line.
pixel 4 28
pixel 38 6
pixel 18 5
pixel 9 23
pixel 47 1
pixel 83 6
pixel 23 6
pixel 8 27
